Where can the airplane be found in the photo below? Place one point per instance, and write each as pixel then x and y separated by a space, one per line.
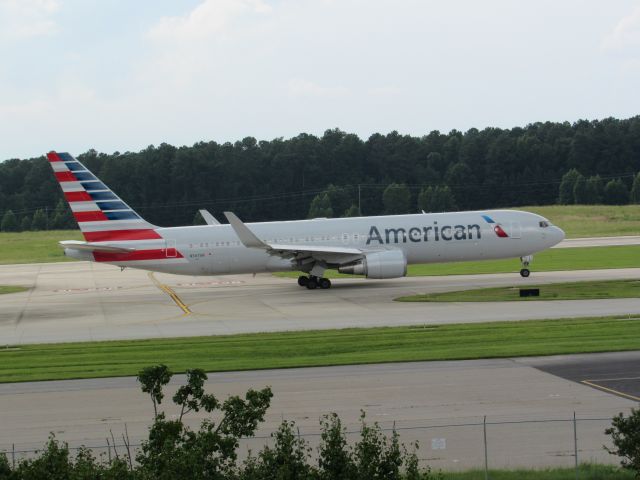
pixel 377 247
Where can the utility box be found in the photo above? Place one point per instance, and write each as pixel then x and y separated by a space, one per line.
pixel 529 292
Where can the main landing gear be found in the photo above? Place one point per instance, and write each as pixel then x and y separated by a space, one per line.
pixel 524 272
pixel 312 282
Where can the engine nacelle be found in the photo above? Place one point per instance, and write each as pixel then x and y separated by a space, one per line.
pixel 386 264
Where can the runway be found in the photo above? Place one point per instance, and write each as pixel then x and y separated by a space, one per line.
pixel 80 301
pixel 529 411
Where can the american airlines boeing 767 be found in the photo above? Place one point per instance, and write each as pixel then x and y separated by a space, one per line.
pixel 376 247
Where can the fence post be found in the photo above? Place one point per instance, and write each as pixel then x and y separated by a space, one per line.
pixel 575 443
pixel 13 456
pixel 486 456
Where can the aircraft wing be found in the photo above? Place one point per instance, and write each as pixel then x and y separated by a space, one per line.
pixel 319 252
pixel 94 247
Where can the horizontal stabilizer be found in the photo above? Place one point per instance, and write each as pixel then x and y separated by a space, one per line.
pixel 94 247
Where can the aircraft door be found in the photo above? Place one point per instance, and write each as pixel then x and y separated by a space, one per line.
pixel 170 248
pixel 516 230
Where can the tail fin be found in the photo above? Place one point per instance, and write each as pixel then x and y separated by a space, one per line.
pixel 100 213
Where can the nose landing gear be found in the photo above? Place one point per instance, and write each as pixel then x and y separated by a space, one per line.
pixel 312 282
pixel 524 272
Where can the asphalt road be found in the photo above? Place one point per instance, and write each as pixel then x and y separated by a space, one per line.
pixel 83 301
pixel 529 412
pixel 615 373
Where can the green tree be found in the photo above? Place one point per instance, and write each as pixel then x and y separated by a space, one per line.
pixel 436 199
pixel 5 468
pixel 376 456
pixel 352 211
pixel 625 435
pixel 396 199
pixel 320 207
pixel 55 463
pixel 198 220
pixel 595 190
pixel 616 193
pixel 461 178
pixel 39 221
pixel 9 222
pixel 635 189
pixel 335 459
pixel 580 192
pixel 62 217
pixel 152 380
pixel 173 450
pixel 25 225
pixel 287 459
pixel 566 187
pixel 339 198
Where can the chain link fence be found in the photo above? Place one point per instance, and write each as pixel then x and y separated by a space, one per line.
pixel 472 443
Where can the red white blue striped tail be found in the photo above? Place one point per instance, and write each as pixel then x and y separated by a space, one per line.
pixel 100 213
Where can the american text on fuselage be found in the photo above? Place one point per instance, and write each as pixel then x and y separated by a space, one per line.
pixel 424 234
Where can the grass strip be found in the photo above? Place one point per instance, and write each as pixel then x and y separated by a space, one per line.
pixel 35 247
pixel 555 259
pixel 322 347
pixel 12 289
pixel 592 220
pixel 552 291
pixel 585 472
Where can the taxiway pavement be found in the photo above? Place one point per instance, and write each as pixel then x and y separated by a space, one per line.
pixel 81 301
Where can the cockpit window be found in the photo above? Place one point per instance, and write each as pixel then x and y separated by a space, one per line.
pixel 544 224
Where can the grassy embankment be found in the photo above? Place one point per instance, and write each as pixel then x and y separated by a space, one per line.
pixel 554 291
pixel 319 348
pixel 585 472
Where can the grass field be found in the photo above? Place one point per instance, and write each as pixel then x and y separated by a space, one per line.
pixel 35 247
pixel 324 347
pixel 11 289
pixel 554 291
pixel 592 220
pixel 585 472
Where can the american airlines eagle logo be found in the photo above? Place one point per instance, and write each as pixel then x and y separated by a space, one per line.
pixel 496 227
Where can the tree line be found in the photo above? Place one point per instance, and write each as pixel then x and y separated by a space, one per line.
pixel 339 174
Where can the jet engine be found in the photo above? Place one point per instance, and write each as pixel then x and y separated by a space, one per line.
pixel 385 264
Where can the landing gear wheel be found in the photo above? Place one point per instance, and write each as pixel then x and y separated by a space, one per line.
pixel 312 284
pixel 525 272
pixel 324 283
pixel 303 280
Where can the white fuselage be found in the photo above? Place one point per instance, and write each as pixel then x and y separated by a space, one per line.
pixel 423 238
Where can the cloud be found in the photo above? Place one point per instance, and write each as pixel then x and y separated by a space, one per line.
pixel 20 19
pixel 300 87
pixel 207 19
pixel 626 33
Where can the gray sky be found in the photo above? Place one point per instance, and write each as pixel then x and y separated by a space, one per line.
pixel 121 75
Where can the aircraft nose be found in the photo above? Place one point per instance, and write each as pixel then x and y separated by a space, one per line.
pixel 558 234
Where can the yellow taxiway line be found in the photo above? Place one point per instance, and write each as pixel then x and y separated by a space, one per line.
pixel 611 390
pixel 169 291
